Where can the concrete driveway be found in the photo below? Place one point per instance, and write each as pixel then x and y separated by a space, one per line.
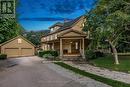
pixel 31 72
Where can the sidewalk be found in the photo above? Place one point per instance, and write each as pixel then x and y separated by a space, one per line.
pixel 115 75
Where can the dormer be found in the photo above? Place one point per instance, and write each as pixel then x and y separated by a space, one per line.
pixel 56 26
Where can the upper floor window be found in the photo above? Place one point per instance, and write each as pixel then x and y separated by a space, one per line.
pixel 47 38
pixel 55 36
pixel 51 37
pixel 19 40
pixel 52 29
pixel 83 25
pixel 44 38
pixel 56 27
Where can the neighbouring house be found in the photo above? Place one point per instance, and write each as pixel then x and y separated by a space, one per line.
pixel 17 47
pixel 67 38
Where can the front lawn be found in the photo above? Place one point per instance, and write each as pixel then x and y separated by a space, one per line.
pixel 108 62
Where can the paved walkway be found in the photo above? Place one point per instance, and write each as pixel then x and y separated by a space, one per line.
pixel 32 72
pixel 115 75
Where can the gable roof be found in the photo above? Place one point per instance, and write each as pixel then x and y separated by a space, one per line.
pixel 17 38
pixel 75 31
pixel 70 23
pixel 66 25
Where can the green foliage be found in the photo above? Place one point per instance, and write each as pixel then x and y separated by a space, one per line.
pixel 108 20
pixel 48 53
pixel 48 56
pixel 108 81
pixel 3 56
pixel 8 29
pixel 107 62
pixel 91 54
pixel 34 36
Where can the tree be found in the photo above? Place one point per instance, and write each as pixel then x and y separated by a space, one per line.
pixel 35 36
pixel 108 21
pixel 8 29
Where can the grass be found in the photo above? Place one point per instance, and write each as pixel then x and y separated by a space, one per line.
pixel 111 82
pixel 108 62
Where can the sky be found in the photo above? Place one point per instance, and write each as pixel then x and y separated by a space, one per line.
pixel 40 14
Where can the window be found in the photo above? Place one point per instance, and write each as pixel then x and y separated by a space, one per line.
pixel 48 47
pixel 55 36
pixel 47 38
pixel 83 25
pixel 52 29
pixel 45 47
pixel 51 37
pixel 44 39
pixel 76 45
pixel 56 27
pixel 19 40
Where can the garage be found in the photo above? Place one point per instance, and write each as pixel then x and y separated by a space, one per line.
pixel 18 47
pixel 26 51
pixel 12 52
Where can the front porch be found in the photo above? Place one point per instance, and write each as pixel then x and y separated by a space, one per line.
pixel 69 44
pixel 68 47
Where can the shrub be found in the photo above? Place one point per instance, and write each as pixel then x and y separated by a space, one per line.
pixel 3 56
pixel 91 54
pixel 48 53
pixel 99 54
pixel 54 53
pixel 40 54
pixel 48 56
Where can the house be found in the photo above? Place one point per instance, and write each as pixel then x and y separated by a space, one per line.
pixel 17 47
pixel 67 38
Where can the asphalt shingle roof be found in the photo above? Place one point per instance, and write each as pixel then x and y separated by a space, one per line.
pixel 64 26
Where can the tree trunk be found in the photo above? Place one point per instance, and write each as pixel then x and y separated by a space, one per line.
pixel 115 55
pixel 114 50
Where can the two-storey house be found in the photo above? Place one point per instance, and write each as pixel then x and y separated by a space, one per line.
pixel 67 38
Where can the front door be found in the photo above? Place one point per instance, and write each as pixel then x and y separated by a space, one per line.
pixel 75 48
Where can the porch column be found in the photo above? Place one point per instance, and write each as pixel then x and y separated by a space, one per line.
pixel 83 54
pixel 61 48
pixel 80 47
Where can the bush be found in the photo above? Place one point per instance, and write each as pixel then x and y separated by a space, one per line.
pixel 40 53
pixel 99 54
pixel 48 56
pixel 90 54
pixel 3 56
pixel 48 53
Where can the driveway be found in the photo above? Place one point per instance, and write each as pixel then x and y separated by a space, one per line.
pixel 31 72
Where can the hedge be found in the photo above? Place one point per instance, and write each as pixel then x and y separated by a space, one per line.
pixel 3 56
pixel 91 54
pixel 52 53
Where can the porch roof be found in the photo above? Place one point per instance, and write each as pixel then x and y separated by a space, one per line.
pixel 72 33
